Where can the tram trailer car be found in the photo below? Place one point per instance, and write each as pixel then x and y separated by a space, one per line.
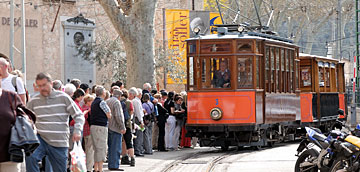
pixel 244 90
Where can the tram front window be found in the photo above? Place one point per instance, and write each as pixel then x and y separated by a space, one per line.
pixel 215 73
pixel 221 78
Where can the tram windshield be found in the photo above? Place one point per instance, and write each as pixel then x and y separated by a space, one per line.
pixel 216 73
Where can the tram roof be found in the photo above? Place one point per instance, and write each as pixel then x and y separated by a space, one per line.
pixel 318 57
pixel 250 35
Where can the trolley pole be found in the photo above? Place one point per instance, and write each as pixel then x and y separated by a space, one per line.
pixel 12 33
pixel 23 39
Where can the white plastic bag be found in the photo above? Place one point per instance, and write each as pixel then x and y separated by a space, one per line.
pixel 78 158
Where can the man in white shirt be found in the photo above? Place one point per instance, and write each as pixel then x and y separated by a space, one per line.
pixel 138 115
pixel 7 79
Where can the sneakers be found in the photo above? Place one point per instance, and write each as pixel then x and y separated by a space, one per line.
pixel 125 160
pixel 132 162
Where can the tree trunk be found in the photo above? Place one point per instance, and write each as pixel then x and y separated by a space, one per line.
pixel 137 32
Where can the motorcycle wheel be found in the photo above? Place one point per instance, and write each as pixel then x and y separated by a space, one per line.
pixel 307 156
pixel 339 166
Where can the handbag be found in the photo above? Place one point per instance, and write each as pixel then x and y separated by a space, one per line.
pixel 23 137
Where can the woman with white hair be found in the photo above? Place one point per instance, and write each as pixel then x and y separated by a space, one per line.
pixel 69 89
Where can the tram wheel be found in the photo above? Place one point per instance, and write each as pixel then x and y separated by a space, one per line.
pixel 257 147
pixel 271 144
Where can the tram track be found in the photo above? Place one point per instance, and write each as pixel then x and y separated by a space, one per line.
pixel 202 160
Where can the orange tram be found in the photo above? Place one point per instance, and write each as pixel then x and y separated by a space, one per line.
pixel 250 88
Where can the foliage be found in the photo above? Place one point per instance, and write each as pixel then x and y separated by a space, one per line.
pixel 171 62
pixel 109 57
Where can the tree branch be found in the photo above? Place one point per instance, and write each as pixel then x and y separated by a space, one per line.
pixel 118 19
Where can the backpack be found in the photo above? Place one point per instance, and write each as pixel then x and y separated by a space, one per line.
pixel 125 111
pixel 13 82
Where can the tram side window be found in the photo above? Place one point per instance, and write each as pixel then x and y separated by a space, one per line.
pixel 321 74
pixel 191 73
pixel 267 69
pixel 245 72
pixel 305 76
pixel 216 73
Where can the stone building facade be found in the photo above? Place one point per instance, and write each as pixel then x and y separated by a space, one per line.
pixel 45 33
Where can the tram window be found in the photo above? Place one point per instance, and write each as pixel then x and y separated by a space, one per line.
pixel 216 73
pixel 215 47
pixel 321 77
pixel 258 71
pixel 191 71
pixel 244 46
pixel 297 74
pixel 291 70
pixel 305 76
pixel 272 65
pixel 267 68
pixel 283 69
pixel 327 77
pixel 277 73
pixel 257 47
pixel 192 48
pixel 245 77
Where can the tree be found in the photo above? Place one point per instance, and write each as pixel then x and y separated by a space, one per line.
pixel 134 22
pixel 109 57
pixel 170 60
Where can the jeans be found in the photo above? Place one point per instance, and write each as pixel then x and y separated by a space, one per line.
pixel 114 149
pixel 57 157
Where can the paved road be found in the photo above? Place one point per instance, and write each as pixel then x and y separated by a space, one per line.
pixel 280 158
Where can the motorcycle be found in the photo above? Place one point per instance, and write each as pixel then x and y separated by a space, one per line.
pixel 349 152
pixel 319 154
pixel 318 151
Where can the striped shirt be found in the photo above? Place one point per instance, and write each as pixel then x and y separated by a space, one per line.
pixel 52 117
pixel 116 123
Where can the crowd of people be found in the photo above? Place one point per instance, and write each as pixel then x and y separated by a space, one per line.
pixel 114 125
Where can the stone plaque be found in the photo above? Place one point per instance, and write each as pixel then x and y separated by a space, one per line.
pixel 78 30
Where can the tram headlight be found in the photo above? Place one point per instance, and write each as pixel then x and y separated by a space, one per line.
pixel 216 114
pixel 241 29
pixel 196 30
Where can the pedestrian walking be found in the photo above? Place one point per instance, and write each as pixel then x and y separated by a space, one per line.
pixel 52 109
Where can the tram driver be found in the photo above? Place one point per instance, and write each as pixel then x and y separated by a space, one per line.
pixel 221 77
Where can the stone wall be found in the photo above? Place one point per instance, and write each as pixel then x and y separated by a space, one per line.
pixel 44 47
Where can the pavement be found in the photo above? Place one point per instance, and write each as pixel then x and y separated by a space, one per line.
pixel 280 158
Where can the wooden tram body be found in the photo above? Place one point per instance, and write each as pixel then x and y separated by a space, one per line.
pixel 264 102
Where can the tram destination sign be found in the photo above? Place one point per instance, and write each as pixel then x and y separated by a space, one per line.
pixel 5 21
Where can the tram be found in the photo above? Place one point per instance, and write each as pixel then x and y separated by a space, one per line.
pixel 251 88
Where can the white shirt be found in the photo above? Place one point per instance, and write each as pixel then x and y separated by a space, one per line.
pixel 138 109
pixel 7 85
